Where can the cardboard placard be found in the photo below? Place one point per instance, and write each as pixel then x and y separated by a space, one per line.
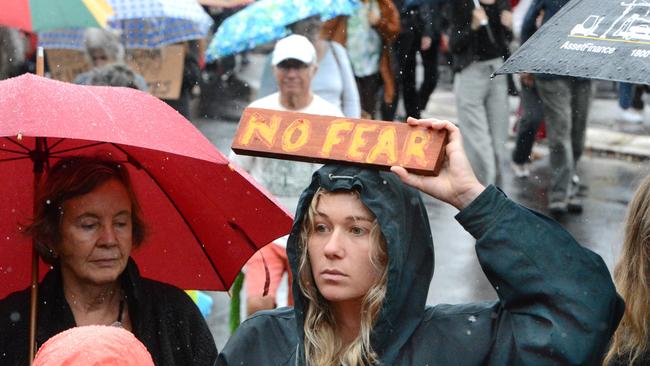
pixel 323 139
pixel 66 64
pixel 162 69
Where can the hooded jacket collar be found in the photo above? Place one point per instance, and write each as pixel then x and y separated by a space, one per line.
pixel 404 223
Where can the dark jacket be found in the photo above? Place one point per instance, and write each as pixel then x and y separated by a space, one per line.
pixel 163 317
pixel 463 41
pixel 425 19
pixel 557 303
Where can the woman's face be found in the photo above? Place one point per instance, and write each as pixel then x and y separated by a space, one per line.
pixel 96 234
pixel 339 248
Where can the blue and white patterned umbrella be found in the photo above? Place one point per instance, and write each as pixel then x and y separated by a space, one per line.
pixel 143 24
pixel 267 20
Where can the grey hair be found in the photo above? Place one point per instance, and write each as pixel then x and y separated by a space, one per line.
pixel 308 27
pixel 12 52
pixel 116 75
pixel 96 38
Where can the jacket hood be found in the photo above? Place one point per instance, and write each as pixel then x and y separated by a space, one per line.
pixel 405 225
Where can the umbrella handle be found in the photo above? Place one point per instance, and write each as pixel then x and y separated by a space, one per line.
pixel 40 64
pixel 33 295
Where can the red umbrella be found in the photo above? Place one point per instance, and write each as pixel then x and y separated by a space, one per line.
pixel 205 217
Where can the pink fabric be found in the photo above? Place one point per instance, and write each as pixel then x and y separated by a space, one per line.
pixel 93 345
pixel 277 263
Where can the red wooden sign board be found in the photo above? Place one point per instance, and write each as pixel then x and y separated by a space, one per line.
pixel 327 139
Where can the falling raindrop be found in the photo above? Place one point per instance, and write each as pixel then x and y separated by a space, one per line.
pixel 14 316
pixel 48 202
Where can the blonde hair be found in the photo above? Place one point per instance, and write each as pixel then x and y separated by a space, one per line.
pixel 322 344
pixel 632 276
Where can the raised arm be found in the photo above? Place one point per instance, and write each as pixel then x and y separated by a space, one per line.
pixel 557 303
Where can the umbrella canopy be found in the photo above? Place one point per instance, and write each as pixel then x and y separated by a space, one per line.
pixel 225 3
pixel 142 24
pixel 590 38
pixel 204 216
pixel 42 15
pixel 267 20
pixel 412 3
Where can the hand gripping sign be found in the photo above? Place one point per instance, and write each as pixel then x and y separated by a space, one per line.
pixel 326 139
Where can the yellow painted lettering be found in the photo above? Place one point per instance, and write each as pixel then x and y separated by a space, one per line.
pixel 359 141
pixel 258 127
pixel 386 146
pixel 333 136
pixel 301 127
pixel 415 146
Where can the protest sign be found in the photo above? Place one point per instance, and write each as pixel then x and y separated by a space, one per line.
pixel 323 139
pixel 65 65
pixel 162 69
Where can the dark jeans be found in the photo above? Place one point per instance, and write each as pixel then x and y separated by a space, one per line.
pixel 407 46
pixel 532 114
pixel 631 95
pixel 368 86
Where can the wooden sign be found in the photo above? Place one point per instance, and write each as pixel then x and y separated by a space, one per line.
pixel 323 139
pixel 162 69
pixel 66 64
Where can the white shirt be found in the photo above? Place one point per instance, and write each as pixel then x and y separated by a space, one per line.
pixel 283 178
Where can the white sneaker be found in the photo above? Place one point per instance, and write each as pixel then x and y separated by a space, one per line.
pixel 631 116
pixel 520 170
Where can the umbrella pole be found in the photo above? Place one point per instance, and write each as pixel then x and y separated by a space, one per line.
pixel 33 295
pixel 40 64
pixel 33 304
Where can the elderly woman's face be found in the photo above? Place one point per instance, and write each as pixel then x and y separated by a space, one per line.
pixel 96 234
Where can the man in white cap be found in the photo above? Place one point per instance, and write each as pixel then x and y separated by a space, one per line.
pixel 294 67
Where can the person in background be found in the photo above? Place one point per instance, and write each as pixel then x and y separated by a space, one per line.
pixel 566 101
pixel 103 48
pixel 631 342
pixel 93 345
pixel 191 79
pixel 334 80
pixel 367 35
pixel 420 33
pixel 12 52
pixel 478 41
pixel 532 111
pixel 115 75
pixel 295 64
pixel 630 100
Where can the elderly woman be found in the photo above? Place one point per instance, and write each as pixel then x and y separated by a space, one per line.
pixel 362 257
pixel 86 224
pixel 103 48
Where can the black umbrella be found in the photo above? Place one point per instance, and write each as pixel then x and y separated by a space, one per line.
pixel 598 39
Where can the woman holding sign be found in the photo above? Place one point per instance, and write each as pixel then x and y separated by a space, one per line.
pixel 361 253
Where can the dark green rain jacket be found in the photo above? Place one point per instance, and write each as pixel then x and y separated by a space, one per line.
pixel 557 303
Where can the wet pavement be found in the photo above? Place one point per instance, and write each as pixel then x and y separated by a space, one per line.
pixel 611 178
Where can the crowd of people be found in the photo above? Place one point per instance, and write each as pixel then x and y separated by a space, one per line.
pixel 360 257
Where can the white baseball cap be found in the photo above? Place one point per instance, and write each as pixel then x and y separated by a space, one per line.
pixel 296 47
